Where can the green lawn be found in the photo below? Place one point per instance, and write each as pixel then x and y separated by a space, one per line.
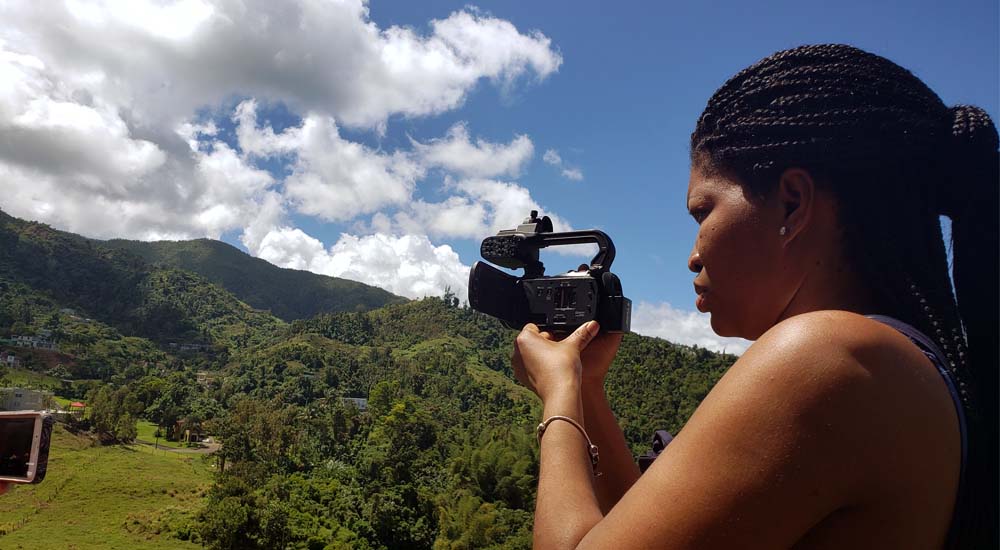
pixel 104 497
pixel 63 402
pixel 147 432
pixel 30 379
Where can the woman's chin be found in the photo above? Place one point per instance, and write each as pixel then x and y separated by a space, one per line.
pixel 722 328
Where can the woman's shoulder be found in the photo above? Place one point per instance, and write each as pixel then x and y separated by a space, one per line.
pixel 805 426
pixel 826 354
pixel 836 368
pixel 841 339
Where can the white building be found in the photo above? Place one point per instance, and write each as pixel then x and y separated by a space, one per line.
pixel 20 399
pixel 9 359
pixel 36 342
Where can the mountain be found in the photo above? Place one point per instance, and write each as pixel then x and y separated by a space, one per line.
pixel 288 294
pixel 122 290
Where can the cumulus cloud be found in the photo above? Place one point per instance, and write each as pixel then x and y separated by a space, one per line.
pixel 408 265
pixel 98 103
pixel 552 157
pixel 110 117
pixel 477 207
pixel 457 153
pixel 682 327
pixel 78 161
pixel 332 178
pixel 166 60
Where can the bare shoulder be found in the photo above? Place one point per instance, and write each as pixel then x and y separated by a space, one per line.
pixel 820 420
pixel 861 385
pixel 821 354
pixel 840 348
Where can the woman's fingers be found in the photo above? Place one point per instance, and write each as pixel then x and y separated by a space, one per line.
pixel 583 335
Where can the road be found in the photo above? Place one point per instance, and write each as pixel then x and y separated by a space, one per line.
pixel 208 448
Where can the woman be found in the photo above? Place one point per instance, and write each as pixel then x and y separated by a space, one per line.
pixel 818 175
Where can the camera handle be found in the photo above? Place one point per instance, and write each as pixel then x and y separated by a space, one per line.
pixel 605 248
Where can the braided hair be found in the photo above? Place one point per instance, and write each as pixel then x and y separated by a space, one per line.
pixel 895 158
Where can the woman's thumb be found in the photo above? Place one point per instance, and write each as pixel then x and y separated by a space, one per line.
pixel 583 335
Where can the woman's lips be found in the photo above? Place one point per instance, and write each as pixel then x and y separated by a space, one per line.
pixel 700 301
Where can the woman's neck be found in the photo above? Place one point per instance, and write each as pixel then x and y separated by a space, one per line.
pixel 830 284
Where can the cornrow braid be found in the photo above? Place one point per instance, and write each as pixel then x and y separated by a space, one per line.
pixel 896 158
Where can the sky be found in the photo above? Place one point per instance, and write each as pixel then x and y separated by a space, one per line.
pixel 381 141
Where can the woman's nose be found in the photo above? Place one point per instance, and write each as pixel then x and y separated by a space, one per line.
pixel 694 262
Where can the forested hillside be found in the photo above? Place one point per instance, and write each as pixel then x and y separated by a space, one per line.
pixel 399 427
pixel 120 289
pixel 288 294
pixel 443 457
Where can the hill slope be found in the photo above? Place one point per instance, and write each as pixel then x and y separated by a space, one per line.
pixel 288 293
pixel 83 503
pixel 124 291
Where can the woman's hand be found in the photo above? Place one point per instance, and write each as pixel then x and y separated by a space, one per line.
pixel 545 365
pixel 597 358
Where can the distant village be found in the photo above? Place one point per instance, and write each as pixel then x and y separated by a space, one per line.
pixel 24 399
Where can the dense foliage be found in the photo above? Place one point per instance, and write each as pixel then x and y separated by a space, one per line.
pixel 288 294
pixel 439 455
pixel 120 289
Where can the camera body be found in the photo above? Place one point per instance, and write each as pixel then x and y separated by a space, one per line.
pixel 559 303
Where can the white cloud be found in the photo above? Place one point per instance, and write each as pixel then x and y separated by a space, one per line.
pixel 408 265
pixel 457 216
pixel 98 103
pixel 166 60
pixel 332 178
pixel 682 327
pixel 77 161
pixel 108 112
pixel 457 153
pixel 477 208
pixel 572 174
pixel 552 157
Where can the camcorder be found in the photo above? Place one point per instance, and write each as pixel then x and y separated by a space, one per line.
pixel 558 304
pixel 24 446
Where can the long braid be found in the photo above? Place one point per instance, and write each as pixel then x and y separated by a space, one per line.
pixel 896 158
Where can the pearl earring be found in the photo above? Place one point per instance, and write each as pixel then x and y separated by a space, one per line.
pixel 782 231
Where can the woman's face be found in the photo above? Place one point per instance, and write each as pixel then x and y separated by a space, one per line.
pixel 737 256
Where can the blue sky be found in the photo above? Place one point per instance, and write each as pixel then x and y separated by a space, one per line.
pixel 613 89
pixel 636 75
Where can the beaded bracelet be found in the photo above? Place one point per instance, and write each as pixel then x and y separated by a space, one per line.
pixel 591 448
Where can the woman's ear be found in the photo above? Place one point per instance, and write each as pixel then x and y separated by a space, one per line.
pixel 796 193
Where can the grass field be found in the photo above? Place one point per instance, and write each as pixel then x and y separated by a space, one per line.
pixel 62 402
pixel 147 432
pixel 104 497
pixel 30 379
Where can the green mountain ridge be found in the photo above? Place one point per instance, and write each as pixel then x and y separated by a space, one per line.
pixel 288 294
pixel 120 289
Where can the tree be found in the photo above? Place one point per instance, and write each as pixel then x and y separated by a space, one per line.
pixel 113 413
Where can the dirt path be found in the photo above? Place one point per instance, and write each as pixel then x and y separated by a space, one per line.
pixel 207 449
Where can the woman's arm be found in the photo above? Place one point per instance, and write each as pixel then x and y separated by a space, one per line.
pixel 618 468
pixel 771 451
pixel 566 504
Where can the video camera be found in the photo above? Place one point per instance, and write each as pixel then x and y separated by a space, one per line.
pixel 556 304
